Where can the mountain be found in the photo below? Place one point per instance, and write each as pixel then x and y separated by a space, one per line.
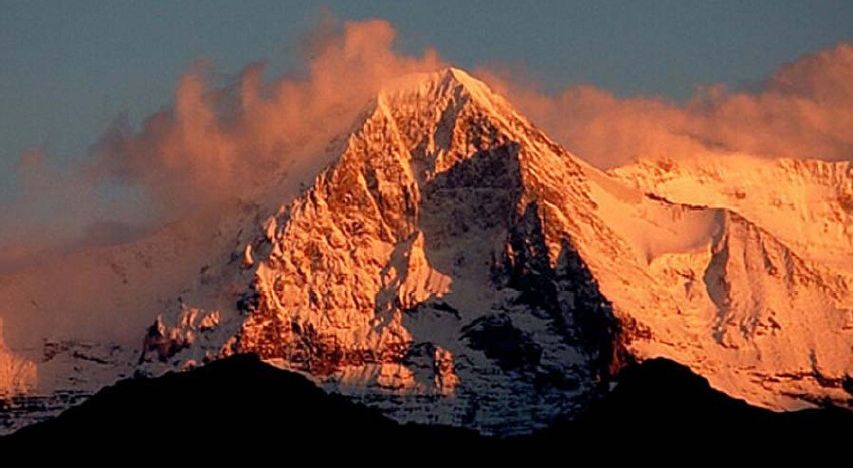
pixel 391 279
pixel 455 266
pixel 455 252
pixel 246 402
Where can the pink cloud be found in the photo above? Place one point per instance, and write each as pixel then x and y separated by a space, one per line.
pixel 804 110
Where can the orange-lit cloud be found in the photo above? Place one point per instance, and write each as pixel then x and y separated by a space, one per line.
pixel 215 141
pixel 219 141
pixel 805 109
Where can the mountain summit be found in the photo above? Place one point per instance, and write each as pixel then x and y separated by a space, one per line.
pixel 416 274
pixel 454 265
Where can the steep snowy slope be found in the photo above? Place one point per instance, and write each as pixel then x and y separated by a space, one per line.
pixel 807 204
pixel 457 266
pixel 738 307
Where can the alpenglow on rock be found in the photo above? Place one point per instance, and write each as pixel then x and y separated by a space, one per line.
pixel 416 273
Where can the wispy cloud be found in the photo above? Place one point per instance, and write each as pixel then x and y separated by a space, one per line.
pixel 803 110
pixel 215 141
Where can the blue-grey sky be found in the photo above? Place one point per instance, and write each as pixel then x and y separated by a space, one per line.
pixel 68 68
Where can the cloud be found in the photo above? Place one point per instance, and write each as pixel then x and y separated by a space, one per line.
pixel 804 110
pixel 54 208
pixel 216 141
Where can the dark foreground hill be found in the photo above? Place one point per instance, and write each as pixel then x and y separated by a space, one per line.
pixel 242 400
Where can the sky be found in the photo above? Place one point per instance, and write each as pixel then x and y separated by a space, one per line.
pixel 70 68
pixel 89 139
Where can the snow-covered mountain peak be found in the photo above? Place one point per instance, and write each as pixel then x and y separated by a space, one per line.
pixel 453 247
pixel 432 86
pixel 453 250
pixel 426 108
pixel 455 265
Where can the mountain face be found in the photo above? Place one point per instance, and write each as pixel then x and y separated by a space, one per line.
pixel 417 275
pixel 457 266
pixel 454 265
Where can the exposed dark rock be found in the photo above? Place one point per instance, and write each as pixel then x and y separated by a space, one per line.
pixel 500 340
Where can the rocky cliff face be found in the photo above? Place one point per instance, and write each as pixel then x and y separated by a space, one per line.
pixel 416 274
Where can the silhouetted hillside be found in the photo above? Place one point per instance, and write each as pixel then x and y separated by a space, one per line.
pixel 242 400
